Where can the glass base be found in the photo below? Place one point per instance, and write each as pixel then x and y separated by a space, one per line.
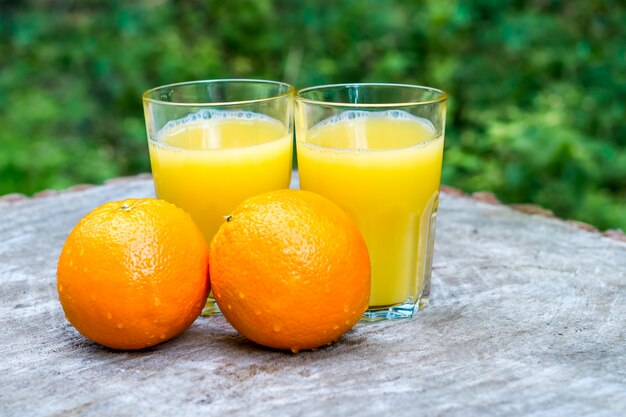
pixel 211 308
pixel 396 312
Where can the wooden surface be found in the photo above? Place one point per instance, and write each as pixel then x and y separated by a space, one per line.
pixel 527 318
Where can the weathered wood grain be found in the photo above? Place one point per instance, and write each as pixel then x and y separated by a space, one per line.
pixel 527 318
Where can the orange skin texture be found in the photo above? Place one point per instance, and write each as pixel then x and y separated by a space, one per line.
pixel 133 273
pixel 290 270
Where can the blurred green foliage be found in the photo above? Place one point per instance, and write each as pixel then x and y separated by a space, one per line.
pixel 538 88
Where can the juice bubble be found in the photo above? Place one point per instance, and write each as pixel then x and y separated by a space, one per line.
pixel 362 130
pixel 211 115
pixel 351 115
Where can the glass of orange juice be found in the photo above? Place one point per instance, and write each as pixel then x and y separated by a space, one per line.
pixel 376 150
pixel 214 143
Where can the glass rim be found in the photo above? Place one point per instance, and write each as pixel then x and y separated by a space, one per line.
pixel 290 91
pixel 443 95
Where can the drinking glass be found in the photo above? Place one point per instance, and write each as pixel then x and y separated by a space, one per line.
pixel 376 150
pixel 214 143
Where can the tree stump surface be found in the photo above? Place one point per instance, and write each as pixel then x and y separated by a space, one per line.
pixel 527 318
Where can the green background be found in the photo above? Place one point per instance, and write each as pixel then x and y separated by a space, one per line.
pixel 538 88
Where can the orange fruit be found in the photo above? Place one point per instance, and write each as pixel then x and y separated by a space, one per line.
pixel 290 270
pixel 133 273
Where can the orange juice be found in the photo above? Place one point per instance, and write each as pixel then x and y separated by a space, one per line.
pixel 210 161
pixel 384 168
